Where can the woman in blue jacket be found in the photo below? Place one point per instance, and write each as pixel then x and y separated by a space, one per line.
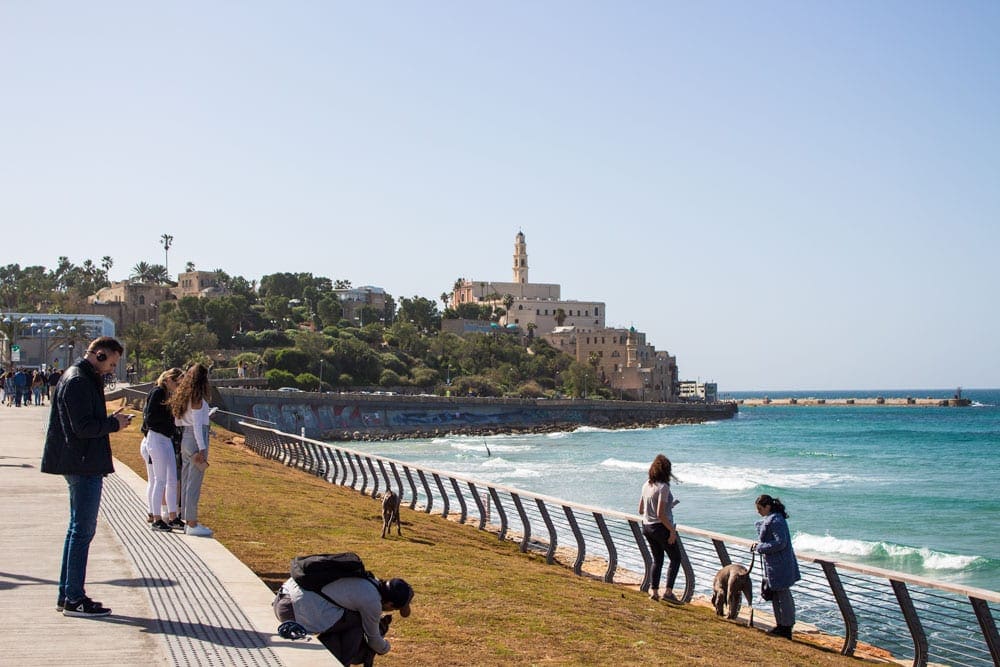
pixel 781 569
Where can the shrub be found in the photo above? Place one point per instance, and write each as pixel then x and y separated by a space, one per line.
pixel 278 378
pixel 389 378
pixel 307 381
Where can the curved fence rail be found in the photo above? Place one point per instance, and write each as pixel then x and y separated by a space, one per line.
pixel 911 617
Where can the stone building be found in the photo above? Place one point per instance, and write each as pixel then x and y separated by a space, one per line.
pixel 538 304
pixel 127 302
pixel 202 284
pixel 621 357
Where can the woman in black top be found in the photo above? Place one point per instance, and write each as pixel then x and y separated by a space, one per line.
pixel 158 425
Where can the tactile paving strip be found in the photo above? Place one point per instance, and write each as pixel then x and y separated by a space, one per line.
pixel 199 620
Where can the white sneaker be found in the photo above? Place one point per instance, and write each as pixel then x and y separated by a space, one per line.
pixel 198 531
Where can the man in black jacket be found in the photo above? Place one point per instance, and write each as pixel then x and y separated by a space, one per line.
pixel 77 447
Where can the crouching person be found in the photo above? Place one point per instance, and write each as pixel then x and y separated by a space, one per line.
pixel 347 615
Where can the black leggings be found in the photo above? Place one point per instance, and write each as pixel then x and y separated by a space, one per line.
pixel 658 537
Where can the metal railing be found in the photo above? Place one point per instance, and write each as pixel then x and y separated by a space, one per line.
pixel 911 617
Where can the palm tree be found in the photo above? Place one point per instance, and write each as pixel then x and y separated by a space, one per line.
pixel 158 274
pixel 107 263
pixel 508 301
pixel 560 316
pixel 444 299
pixel 167 240
pixel 141 273
pixel 189 267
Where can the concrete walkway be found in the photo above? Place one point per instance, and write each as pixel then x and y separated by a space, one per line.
pixel 175 600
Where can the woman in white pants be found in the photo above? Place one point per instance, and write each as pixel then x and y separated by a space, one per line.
pixel 158 425
pixel 189 404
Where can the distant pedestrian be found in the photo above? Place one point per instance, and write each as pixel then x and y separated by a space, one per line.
pixel 53 380
pixel 8 388
pixel 77 447
pixel 241 370
pixel 21 387
pixel 37 384
pixel 189 405
pixel 656 505
pixel 781 568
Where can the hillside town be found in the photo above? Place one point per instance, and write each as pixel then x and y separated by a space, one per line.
pixel 618 362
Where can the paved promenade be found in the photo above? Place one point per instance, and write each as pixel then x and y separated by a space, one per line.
pixel 175 600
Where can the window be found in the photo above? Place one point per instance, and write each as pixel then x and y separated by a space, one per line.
pixel 142 300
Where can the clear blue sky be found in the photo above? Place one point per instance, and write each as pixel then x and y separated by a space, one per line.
pixel 783 195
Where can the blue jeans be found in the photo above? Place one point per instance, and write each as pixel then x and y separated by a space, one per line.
pixel 84 504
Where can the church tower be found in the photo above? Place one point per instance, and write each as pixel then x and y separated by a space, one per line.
pixel 520 259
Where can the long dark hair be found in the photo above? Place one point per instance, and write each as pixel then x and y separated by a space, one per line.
pixel 191 391
pixel 777 507
pixel 660 470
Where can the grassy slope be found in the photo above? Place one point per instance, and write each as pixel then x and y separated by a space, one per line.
pixel 478 601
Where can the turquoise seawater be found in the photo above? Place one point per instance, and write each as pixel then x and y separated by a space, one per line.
pixel 915 489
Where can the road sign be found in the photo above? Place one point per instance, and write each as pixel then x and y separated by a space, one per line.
pixel 15 353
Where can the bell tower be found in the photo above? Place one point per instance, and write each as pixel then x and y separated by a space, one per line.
pixel 520 259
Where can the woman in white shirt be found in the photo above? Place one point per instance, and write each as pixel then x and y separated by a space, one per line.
pixel 189 404
pixel 656 505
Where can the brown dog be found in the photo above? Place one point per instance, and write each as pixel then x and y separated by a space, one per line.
pixel 729 582
pixel 390 512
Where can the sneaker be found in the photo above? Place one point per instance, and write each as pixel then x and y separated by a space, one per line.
pixel 198 531
pixel 670 597
pixel 177 523
pixel 654 596
pixel 160 524
pixel 61 604
pixel 85 607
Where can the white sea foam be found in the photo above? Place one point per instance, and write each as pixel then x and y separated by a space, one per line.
pixel 592 429
pixel 480 446
pixel 731 478
pixel 496 462
pixel 519 473
pixel 882 552
pixel 716 477
pixel 624 465
pixel 557 434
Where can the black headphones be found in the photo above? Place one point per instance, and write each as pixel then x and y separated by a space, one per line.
pixel 101 356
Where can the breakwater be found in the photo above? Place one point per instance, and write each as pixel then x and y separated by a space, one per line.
pixel 927 401
pixel 355 416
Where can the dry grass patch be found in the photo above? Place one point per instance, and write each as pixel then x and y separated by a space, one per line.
pixel 478 601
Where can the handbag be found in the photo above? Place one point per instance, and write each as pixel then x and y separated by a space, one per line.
pixel 765 590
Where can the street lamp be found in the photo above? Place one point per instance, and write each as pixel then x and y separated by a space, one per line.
pixel 320 374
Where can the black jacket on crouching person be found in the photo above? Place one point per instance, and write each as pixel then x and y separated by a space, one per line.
pixel 77 441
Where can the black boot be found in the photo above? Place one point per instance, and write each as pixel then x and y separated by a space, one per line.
pixel 781 631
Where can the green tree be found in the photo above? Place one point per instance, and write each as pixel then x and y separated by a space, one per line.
pixel 329 309
pixel 293 360
pixel 421 312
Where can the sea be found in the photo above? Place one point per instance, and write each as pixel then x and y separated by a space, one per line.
pixel 908 488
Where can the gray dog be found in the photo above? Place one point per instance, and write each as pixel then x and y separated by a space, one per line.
pixel 390 512
pixel 730 582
